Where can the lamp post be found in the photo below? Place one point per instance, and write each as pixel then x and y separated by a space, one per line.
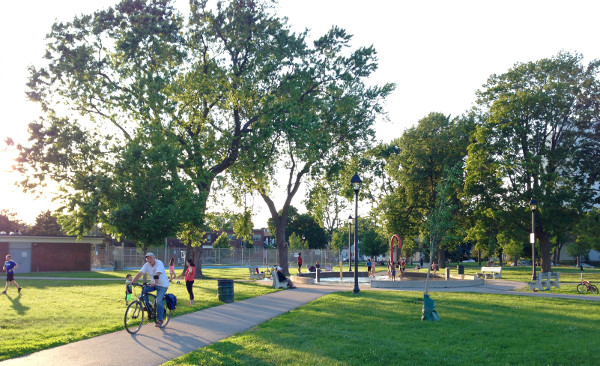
pixel 350 243
pixel 356 182
pixel 533 206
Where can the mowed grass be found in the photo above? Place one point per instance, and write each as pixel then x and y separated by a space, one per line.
pixel 49 313
pixel 378 328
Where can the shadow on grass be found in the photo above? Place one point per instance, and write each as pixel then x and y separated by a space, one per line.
pixel 16 304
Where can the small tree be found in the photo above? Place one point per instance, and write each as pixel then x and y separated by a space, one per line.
pixel 296 242
pixel 222 241
pixel 372 244
pixel 46 224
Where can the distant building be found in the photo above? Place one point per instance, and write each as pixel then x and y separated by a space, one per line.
pixel 260 237
pixel 49 253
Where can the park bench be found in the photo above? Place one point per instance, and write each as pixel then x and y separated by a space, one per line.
pixel 493 272
pixel 255 275
pixel 545 280
pixel 276 283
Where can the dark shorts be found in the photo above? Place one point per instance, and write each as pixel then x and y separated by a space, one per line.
pixel 369 268
pixel 10 276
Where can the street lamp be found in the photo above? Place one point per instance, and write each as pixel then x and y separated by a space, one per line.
pixel 533 206
pixel 350 243
pixel 356 182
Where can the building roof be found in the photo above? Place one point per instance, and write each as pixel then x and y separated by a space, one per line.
pixel 50 239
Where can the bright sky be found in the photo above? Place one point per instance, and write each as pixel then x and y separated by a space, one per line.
pixel 438 52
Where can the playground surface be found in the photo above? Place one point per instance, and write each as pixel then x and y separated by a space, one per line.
pixel 186 333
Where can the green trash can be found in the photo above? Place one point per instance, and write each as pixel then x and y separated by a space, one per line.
pixel 225 290
pixel 461 269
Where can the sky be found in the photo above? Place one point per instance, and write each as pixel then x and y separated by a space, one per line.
pixel 437 52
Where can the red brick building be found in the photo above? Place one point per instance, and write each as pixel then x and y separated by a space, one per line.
pixel 49 253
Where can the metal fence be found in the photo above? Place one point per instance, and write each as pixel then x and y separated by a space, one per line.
pixel 107 256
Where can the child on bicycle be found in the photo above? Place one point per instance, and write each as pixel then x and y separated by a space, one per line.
pixel 128 289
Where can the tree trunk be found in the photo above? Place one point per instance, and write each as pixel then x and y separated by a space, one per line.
pixel 545 259
pixel 198 261
pixel 196 254
pixel 479 257
pixel 441 258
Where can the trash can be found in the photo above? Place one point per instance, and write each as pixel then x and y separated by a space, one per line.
pixel 225 290
pixel 461 269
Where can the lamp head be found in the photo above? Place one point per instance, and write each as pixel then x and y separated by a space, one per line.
pixel 356 182
pixel 533 204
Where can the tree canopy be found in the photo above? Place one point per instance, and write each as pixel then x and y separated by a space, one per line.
pixel 537 138
pixel 124 85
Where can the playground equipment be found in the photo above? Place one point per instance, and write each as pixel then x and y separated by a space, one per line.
pixel 392 247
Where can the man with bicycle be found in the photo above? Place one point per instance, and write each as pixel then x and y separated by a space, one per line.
pixel 160 283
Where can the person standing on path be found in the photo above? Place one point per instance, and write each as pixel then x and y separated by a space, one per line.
pixel 299 262
pixel 160 283
pixel 9 267
pixel 190 272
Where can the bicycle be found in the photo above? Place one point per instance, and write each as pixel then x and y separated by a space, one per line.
pixel 585 286
pixel 134 315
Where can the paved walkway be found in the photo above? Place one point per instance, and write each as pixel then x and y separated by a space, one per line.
pixel 186 333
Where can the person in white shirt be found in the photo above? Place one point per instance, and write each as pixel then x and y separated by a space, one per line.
pixel 160 283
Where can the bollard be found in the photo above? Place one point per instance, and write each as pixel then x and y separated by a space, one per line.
pixel 447 273
pixel 317 277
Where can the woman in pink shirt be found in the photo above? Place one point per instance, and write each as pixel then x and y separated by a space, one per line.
pixel 190 272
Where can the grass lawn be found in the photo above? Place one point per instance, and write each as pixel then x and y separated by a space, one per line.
pixel 49 313
pixel 378 328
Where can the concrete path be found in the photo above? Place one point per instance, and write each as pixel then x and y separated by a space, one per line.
pixel 186 333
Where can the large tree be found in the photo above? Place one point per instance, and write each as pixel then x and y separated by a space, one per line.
pixel 425 154
pixel 331 119
pixel 207 88
pixel 538 138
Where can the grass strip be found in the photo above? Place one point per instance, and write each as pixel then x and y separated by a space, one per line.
pixel 386 328
pixel 50 313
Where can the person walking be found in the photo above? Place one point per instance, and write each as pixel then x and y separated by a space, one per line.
pixel 299 262
pixel 160 283
pixel 189 275
pixel 10 266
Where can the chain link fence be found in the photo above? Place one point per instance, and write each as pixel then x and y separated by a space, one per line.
pixel 107 257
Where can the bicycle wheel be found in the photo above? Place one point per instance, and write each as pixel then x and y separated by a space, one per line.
pixel 134 317
pixel 593 289
pixel 581 288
